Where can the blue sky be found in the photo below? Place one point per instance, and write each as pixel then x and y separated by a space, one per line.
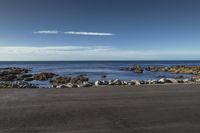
pixel 99 29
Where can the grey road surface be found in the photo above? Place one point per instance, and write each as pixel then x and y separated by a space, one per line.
pixel 142 109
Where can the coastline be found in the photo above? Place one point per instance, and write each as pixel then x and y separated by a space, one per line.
pixel 16 77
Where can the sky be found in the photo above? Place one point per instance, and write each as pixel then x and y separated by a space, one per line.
pixel 99 30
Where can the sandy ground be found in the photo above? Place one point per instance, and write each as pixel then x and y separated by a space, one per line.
pixel 142 109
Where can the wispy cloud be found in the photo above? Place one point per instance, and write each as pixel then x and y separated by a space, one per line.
pixel 89 33
pixel 91 53
pixel 47 32
pixel 73 33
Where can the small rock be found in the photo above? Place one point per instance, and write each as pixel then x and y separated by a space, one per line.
pixel 117 82
pixel 61 86
pixel 105 82
pixel 98 83
pixel 197 80
pixel 146 82
pixel 137 83
pixel 137 69
pixel 84 84
pixel 186 80
pixel 131 83
pixel 110 82
pixel 162 80
pixel 70 85
pixel 124 83
pixel 170 80
pixel 180 81
pixel 154 82
pixel 103 76
pixel 142 82
pixel 53 86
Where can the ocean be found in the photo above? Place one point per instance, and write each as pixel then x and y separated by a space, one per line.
pixel 96 69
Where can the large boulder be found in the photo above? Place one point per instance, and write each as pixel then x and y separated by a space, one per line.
pixel 152 68
pixel 79 79
pixel 18 71
pixel 136 68
pixel 44 76
pixel 61 80
pixel 73 80
pixel 11 74
pixel 167 80
pixel 12 70
pixel 8 77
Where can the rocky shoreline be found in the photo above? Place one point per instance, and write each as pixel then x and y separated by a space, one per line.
pixel 195 70
pixel 21 78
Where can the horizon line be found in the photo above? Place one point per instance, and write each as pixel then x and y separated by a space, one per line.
pixel 86 60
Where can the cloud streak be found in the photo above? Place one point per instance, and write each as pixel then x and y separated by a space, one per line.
pixel 88 33
pixel 47 32
pixel 90 53
pixel 74 33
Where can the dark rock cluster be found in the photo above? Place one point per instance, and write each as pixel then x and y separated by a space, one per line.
pixel 135 68
pixel 176 69
pixel 20 74
pixel 69 82
pixel 195 70
pixel 14 77
pixel 17 84
pixel 12 74
pixel 43 76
